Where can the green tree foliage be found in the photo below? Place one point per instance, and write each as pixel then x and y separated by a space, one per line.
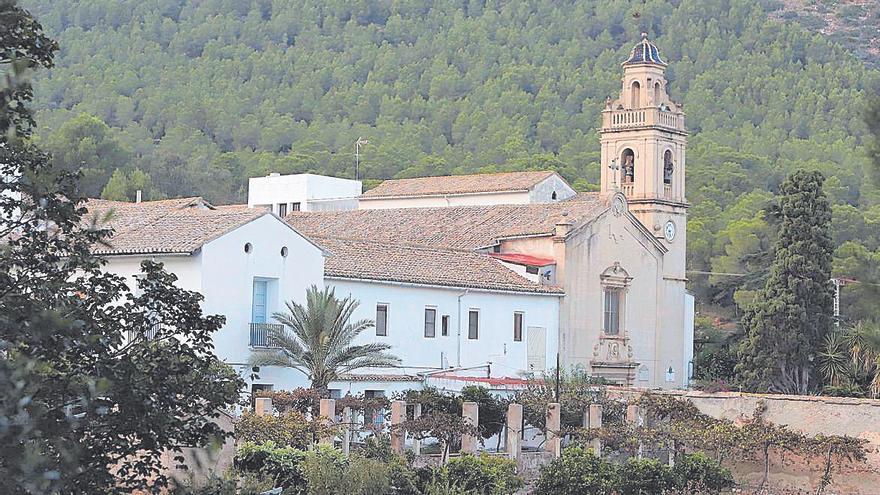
pixel 124 187
pixel 787 325
pixel 23 47
pixel 85 144
pixel 208 93
pixel 92 376
pixel 316 339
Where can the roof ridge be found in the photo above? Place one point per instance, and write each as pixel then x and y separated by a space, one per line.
pixel 409 245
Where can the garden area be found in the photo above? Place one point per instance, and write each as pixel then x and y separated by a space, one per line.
pixel 598 441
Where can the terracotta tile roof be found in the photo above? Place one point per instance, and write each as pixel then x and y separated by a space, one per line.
pixel 165 227
pixel 458 227
pixel 458 184
pixel 357 259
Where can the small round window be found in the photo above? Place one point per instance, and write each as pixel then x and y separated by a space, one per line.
pixel 248 247
pixel 284 252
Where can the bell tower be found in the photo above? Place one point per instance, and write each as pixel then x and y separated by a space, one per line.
pixel 643 142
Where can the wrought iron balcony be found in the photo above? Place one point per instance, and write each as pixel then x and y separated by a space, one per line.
pixel 261 334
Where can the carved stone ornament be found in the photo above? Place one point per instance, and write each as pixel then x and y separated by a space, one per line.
pixel 618 204
pixel 613 350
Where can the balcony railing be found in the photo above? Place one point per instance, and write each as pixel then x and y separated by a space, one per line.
pixel 261 334
pixel 641 117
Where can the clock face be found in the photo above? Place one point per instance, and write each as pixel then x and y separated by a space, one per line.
pixel 669 231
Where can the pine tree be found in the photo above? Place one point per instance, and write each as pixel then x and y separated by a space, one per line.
pixel 787 325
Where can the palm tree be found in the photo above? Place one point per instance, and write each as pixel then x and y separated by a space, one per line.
pixel 317 340
pixel 850 360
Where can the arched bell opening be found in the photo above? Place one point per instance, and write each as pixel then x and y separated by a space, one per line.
pixel 628 166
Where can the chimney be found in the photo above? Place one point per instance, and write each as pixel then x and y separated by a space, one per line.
pixel 563 226
pixel 137 196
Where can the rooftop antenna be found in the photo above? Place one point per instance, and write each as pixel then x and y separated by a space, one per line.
pixel 357 156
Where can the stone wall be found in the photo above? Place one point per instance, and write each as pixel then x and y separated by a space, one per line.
pixel 859 418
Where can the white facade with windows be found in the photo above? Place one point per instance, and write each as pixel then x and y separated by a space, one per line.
pixel 433 328
pixel 246 265
pixel 283 194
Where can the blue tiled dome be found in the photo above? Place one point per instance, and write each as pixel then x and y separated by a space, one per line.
pixel 644 52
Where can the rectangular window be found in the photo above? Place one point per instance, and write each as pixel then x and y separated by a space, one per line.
pixel 444 325
pixel 474 324
pixel 259 311
pixel 430 323
pixel 532 270
pixel 282 210
pixel 612 312
pixel 260 387
pixel 373 416
pixel 381 320
pixel 294 206
pixel 517 326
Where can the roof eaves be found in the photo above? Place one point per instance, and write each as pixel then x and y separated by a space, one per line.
pixel 549 290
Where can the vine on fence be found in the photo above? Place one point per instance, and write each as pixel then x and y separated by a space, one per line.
pixel 677 425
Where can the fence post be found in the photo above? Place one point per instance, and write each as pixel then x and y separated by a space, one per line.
pixel 514 430
pixel 327 416
pixel 417 444
pixel 346 431
pixel 398 414
pixel 554 441
pixel 470 411
pixel 262 406
pixel 595 416
pixel 633 416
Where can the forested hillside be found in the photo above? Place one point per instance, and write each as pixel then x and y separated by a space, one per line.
pixel 183 97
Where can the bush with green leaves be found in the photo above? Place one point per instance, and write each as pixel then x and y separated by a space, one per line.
pixel 484 474
pixel 576 472
pixel 282 464
pixel 289 429
pixel 328 472
pixel 697 473
pixel 579 471
pixel 643 477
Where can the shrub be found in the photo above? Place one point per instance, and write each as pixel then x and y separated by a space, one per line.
pixel 577 471
pixel 483 474
pixel 290 429
pixel 328 472
pixel 281 464
pixel 698 473
pixel 643 477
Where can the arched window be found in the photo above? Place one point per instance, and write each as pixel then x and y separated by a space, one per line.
pixel 656 90
pixel 628 166
pixel 553 196
pixel 636 95
pixel 668 167
pixel 615 284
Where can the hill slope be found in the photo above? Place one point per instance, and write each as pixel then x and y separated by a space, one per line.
pixel 201 94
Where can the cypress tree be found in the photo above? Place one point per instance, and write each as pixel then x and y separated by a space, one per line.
pixel 793 313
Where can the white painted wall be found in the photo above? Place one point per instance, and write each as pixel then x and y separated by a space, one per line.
pixel 406 324
pixel 543 191
pixel 304 189
pixel 224 274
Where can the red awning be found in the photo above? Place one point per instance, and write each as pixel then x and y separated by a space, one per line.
pixel 523 259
